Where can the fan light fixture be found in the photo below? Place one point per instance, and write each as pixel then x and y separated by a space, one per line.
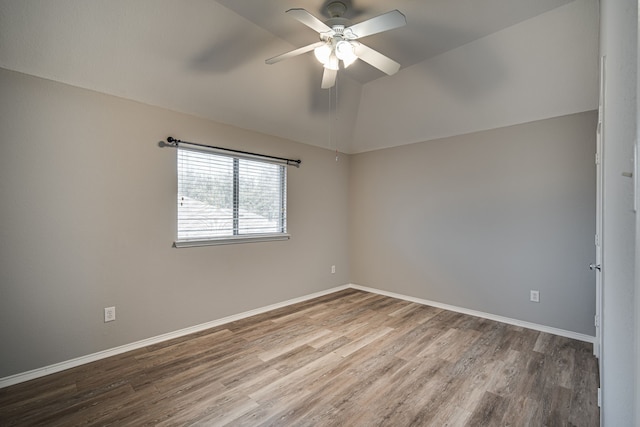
pixel 330 56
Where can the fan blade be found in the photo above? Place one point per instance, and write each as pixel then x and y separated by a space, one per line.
pixel 309 20
pixel 376 59
pixel 293 53
pixel 328 78
pixel 386 21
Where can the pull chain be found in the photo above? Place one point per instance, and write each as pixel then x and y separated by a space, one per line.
pixel 335 116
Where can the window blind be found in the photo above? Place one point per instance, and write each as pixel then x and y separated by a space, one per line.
pixel 224 197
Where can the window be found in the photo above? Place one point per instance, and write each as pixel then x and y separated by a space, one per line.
pixel 224 199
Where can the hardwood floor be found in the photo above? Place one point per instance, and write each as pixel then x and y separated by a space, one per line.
pixel 351 358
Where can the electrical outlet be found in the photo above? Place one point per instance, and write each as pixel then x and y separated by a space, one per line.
pixel 534 296
pixel 109 314
pixel 333 269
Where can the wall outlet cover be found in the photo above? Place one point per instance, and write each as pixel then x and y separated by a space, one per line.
pixel 109 314
pixel 534 296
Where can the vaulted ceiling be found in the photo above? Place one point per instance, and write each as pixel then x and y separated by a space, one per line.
pixel 466 65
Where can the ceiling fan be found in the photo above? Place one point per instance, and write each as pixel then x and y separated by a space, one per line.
pixel 339 41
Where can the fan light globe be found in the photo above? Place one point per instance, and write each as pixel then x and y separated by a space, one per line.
pixel 332 63
pixel 349 61
pixel 322 53
pixel 344 50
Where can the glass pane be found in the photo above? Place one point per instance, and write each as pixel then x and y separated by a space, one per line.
pixel 205 195
pixel 261 204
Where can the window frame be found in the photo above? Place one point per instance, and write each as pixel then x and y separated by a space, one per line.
pixel 236 237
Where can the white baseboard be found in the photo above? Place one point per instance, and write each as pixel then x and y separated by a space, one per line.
pixel 502 319
pixel 40 372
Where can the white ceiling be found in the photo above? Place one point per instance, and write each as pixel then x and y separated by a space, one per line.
pixel 467 65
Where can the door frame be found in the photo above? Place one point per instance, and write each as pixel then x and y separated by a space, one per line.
pixel 599 237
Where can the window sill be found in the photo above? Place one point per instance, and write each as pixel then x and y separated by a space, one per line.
pixel 230 240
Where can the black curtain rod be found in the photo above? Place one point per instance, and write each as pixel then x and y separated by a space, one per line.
pixel 175 142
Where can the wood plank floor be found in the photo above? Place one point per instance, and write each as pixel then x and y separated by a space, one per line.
pixel 351 358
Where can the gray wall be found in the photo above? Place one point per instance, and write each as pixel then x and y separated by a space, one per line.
pixel 478 220
pixel 88 218
pixel 619 42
